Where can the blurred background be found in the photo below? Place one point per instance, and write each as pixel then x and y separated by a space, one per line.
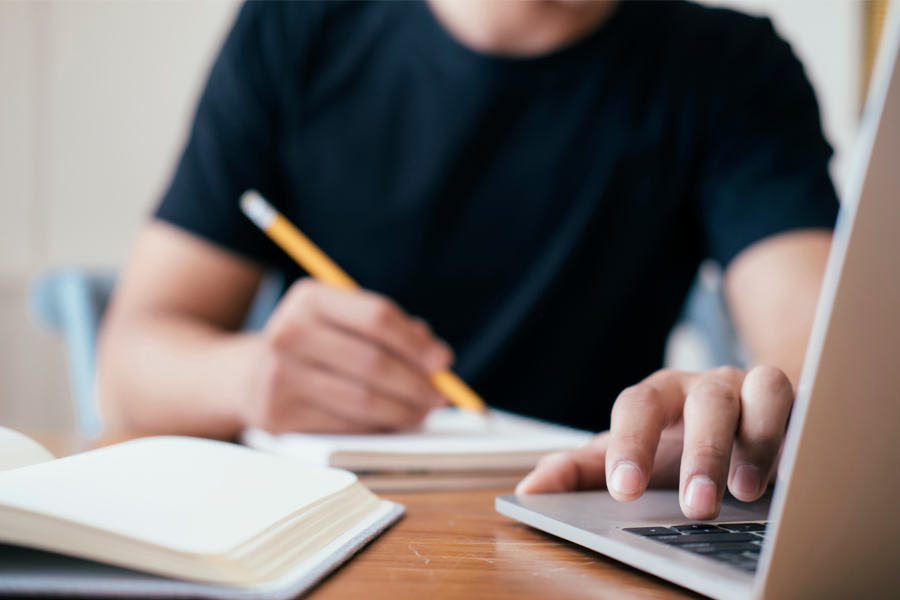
pixel 95 102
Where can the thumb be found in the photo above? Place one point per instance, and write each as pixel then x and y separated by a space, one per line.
pixel 580 469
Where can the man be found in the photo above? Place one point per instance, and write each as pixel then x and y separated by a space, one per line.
pixel 538 181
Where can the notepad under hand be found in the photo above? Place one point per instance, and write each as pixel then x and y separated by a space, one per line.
pixel 453 449
pixel 223 520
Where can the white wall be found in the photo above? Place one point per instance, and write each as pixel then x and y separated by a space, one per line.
pixel 95 98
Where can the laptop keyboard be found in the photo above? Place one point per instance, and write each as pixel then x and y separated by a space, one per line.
pixel 737 544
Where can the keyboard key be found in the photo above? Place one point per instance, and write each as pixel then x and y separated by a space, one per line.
pixel 726 548
pixel 649 531
pixel 698 528
pixel 712 538
pixel 743 526
pixel 738 544
pixel 748 563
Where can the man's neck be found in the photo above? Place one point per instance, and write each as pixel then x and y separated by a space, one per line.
pixel 520 28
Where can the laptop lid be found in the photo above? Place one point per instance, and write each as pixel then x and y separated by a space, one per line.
pixel 835 503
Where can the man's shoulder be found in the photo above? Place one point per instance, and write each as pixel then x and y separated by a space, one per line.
pixel 709 47
pixel 714 21
pixel 291 33
pixel 716 32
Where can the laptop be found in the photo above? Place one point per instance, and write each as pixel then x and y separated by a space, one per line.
pixel 831 528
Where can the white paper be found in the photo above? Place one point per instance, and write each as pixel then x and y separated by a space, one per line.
pixel 18 450
pixel 447 434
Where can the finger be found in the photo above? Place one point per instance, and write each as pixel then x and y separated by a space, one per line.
pixel 369 364
pixel 382 320
pixel 352 401
pixel 711 412
pixel 766 400
pixel 639 416
pixel 311 419
pixel 568 471
pixel 377 318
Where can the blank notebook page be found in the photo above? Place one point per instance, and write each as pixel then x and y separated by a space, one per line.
pixel 192 495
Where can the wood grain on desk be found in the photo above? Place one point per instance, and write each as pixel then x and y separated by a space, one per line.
pixel 455 545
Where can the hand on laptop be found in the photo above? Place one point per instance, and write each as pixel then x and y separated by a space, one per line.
pixel 699 431
pixel 336 361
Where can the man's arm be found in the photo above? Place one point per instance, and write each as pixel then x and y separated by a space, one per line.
pixel 772 289
pixel 171 358
pixel 701 431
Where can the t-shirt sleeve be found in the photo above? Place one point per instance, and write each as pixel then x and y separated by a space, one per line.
pixel 765 160
pixel 232 143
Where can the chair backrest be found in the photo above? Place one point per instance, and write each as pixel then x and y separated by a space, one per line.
pixel 71 301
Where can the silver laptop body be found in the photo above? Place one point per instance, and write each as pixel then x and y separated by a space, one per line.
pixel 834 517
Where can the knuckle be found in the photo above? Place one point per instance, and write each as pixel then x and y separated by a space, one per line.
pixel 632 441
pixel 280 339
pixel 727 373
pixel 374 363
pixel 380 314
pixel 292 313
pixel 420 327
pixel 303 294
pixel 708 452
pixel 768 381
pixel 639 394
pixel 641 399
pixel 716 392
pixel 305 285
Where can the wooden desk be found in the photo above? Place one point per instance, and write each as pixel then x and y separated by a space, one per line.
pixel 454 545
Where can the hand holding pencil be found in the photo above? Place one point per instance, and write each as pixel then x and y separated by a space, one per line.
pixel 319 265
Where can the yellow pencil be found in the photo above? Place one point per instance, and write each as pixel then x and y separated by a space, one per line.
pixel 319 265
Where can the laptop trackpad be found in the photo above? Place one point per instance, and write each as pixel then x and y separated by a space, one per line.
pixel 595 511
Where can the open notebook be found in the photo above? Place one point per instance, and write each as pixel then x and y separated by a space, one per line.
pixel 452 449
pixel 171 516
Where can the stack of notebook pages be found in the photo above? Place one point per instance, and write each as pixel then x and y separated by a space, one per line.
pixel 453 449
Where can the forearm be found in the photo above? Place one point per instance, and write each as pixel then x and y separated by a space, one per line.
pixel 167 373
pixel 788 355
pixel 772 290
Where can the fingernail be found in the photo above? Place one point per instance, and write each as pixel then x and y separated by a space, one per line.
pixel 747 480
pixel 701 495
pixel 626 479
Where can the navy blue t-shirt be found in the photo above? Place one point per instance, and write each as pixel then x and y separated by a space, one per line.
pixel 545 215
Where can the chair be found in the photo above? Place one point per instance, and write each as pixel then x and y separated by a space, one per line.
pixel 71 301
